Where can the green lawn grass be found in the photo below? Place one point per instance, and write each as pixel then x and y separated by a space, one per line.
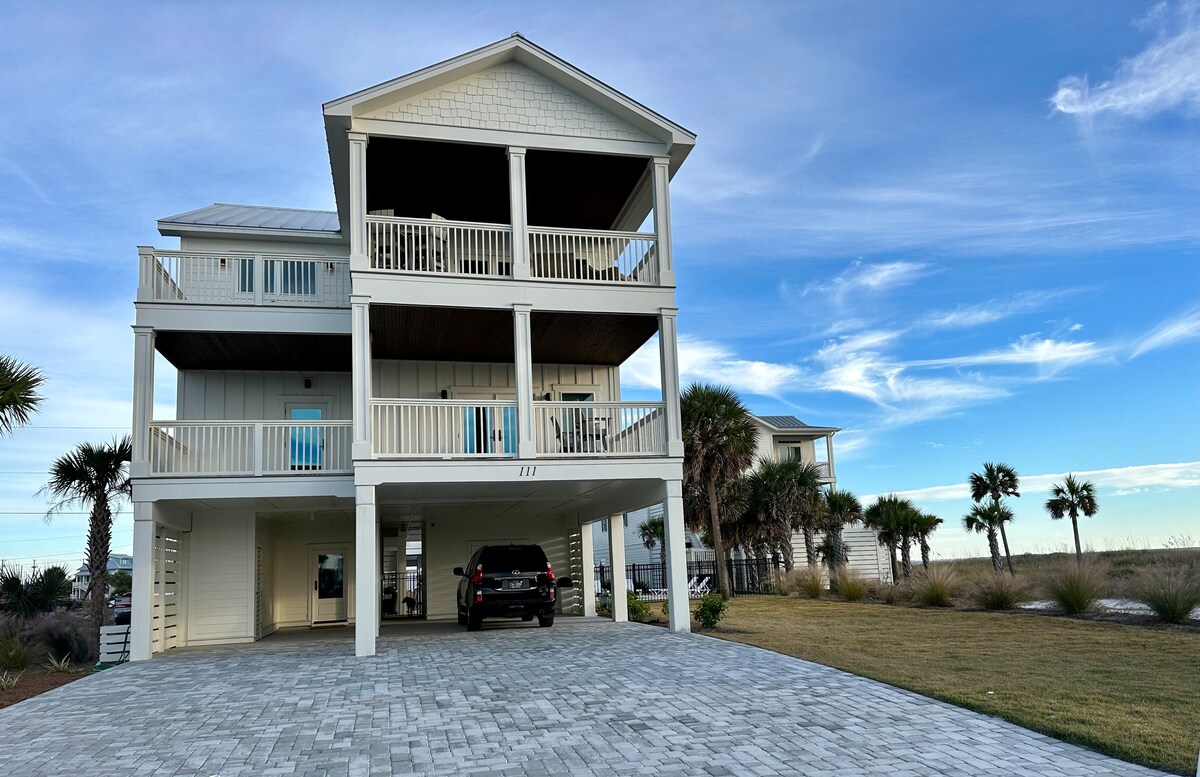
pixel 1129 691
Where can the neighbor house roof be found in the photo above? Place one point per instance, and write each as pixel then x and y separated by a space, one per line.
pixel 783 423
pixel 226 217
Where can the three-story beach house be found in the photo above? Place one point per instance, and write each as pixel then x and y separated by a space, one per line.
pixel 366 396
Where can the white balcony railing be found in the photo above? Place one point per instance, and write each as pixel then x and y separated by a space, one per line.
pixel 195 448
pixel 415 428
pixel 600 429
pixel 593 256
pixel 439 247
pixel 245 279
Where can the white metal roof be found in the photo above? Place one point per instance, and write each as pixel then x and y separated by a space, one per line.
pixel 229 217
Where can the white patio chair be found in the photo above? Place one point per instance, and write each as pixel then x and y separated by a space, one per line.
pixel 703 587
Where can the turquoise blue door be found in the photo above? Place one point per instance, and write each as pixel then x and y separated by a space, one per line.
pixel 481 433
pixel 306 443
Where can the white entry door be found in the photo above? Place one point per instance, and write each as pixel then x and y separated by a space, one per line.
pixel 328 566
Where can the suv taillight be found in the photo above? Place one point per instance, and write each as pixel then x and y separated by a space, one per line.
pixel 477 578
pixel 549 572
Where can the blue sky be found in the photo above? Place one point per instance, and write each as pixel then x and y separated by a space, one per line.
pixel 961 232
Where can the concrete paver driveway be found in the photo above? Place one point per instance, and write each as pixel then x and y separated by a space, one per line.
pixel 585 697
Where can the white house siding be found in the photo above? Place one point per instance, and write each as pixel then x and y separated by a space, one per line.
pixel 513 97
pixel 449 543
pixel 426 380
pixel 291 541
pixel 240 245
pixel 220 590
pixel 867 556
pixel 218 395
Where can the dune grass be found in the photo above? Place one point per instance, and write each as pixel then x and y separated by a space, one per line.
pixel 1131 692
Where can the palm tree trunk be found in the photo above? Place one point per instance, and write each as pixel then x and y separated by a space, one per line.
pixel 810 546
pixel 906 557
pixel 714 528
pixel 925 552
pixel 99 541
pixel 838 546
pixel 1078 550
pixel 895 565
pixel 1007 555
pixel 994 549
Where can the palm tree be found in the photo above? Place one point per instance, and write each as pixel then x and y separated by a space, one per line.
pixel 785 495
pixel 997 481
pixel 987 519
pixel 18 393
pixel 1073 498
pixel 926 524
pixel 651 533
pixel 96 476
pixel 719 440
pixel 842 508
pixel 895 521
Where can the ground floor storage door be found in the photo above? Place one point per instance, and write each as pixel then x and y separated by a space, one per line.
pixel 328 567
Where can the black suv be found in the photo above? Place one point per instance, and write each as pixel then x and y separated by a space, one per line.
pixel 507 581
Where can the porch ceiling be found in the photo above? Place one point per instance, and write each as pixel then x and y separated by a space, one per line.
pixel 461 334
pixel 282 506
pixel 588 499
pixel 255 351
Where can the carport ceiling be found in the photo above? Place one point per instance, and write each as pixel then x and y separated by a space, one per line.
pixel 589 499
pixel 473 335
pixel 255 351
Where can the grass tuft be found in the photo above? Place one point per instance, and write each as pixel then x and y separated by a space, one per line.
pixel 807 582
pixel 8 681
pixel 1076 586
pixel 851 585
pixel 1171 593
pixel 14 655
pixel 891 593
pixel 60 665
pixel 936 586
pixel 999 592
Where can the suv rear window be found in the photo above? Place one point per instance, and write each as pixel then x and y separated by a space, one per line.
pixel 526 558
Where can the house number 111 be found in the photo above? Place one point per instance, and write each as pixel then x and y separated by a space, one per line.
pixel 528 472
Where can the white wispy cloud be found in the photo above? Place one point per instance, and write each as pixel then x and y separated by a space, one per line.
pixel 1048 355
pixel 1165 76
pixel 707 361
pixel 862 277
pixel 992 310
pixel 1141 476
pixel 1174 330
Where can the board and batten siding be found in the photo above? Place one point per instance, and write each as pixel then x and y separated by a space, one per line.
pixel 450 542
pixel 427 380
pixel 220 587
pixel 292 543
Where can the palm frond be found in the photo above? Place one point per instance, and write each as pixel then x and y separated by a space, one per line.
pixel 19 398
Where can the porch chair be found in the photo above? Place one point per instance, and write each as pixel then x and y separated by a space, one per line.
pixel 702 587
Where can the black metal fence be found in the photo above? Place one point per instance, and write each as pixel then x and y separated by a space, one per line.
pixel 648 581
pixel 403 595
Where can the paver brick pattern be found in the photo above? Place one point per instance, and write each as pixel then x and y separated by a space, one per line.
pixel 582 698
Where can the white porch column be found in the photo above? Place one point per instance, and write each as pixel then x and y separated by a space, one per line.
pixel 523 370
pixel 141 619
pixel 366 571
pixel 360 381
pixel 662 220
pixel 520 213
pixel 668 359
pixel 616 557
pixel 143 399
pixel 677 592
pixel 587 582
pixel 829 454
pixel 357 228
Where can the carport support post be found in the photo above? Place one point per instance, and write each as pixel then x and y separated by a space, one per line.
pixel 366 572
pixel 141 616
pixel 677 592
pixel 616 556
pixel 587 581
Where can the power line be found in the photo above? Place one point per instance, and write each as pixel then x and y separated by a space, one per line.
pixel 61 512
pixel 60 537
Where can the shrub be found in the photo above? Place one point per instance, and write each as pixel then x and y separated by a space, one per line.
pixel 60 635
pixel 14 656
pixel 604 604
pixel 638 610
pixel 890 593
pixel 9 681
pixel 1170 593
pixel 1075 586
pixel 850 585
pixel 711 609
pixel 998 592
pixel 62 665
pixel 936 586
pixel 807 581
pixel 666 608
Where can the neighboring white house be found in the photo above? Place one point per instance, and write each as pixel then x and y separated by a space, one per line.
pixel 432 367
pixel 779 437
pixel 117 562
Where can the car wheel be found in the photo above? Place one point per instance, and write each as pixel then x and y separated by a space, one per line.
pixel 546 620
pixel 527 618
pixel 474 622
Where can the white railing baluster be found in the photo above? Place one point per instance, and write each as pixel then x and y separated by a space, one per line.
pixel 247 279
pixel 249 448
pixel 600 428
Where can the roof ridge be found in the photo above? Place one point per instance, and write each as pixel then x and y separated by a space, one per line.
pixel 269 207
